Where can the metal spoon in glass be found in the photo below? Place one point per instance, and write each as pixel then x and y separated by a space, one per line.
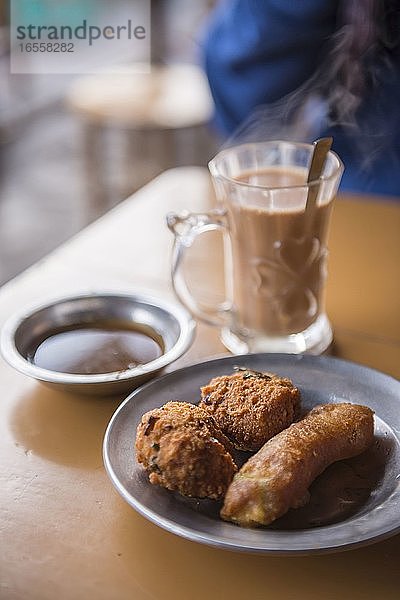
pixel 321 149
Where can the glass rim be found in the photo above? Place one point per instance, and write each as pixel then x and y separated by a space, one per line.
pixel 212 165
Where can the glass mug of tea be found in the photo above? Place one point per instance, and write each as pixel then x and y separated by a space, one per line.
pixel 275 250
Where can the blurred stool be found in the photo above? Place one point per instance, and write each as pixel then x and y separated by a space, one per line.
pixel 163 115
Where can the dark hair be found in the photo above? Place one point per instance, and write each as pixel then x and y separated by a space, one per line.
pixel 367 31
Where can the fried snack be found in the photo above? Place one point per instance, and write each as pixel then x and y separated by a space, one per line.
pixel 251 407
pixel 277 478
pixel 182 449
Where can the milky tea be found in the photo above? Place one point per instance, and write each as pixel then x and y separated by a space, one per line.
pixel 279 256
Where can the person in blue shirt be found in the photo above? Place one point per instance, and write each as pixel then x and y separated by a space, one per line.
pixel 312 68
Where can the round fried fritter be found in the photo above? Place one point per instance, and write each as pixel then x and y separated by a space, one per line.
pixel 182 449
pixel 251 407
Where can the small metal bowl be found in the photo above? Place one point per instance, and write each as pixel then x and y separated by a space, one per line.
pixel 22 334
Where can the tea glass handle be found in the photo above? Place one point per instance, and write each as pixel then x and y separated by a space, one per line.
pixel 186 227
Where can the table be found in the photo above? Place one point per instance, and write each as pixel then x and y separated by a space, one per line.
pixel 65 533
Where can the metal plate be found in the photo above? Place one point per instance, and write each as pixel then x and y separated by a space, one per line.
pixel 320 380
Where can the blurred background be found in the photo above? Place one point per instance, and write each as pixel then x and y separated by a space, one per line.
pixel 73 146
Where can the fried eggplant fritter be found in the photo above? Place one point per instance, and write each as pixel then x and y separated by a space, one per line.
pixel 277 477
pixel 251 407
pixel 182 449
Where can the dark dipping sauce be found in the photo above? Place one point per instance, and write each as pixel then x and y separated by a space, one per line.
pixel 95 349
